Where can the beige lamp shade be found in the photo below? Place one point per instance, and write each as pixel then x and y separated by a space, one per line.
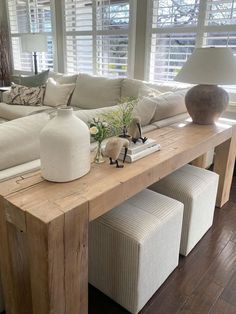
pixel 211 66
pixel 34 43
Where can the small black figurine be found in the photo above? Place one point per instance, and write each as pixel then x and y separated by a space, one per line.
pixel 135 130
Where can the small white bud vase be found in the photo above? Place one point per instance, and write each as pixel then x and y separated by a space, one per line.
pixel 65 147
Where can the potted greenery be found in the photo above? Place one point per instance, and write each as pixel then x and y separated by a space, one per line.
pixel 119 120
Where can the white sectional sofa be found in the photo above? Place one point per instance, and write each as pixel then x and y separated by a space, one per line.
pixel 21 125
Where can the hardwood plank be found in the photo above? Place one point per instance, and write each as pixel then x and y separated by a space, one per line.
pixel 222 307
pixel 200 302
pixel 212 283
pixel 229 293
pixel 233 237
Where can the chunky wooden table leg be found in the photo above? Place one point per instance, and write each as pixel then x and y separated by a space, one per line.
pixel 46 261
pixel 200 162
pixel 14 265
pixel 44 267
pixel 59 263
pixel 224 165
pixel 76 260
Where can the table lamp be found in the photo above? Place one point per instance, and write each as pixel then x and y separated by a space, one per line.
pixel 208 67
pixel 34 43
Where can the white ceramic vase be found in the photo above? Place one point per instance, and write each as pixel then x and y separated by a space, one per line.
pixel 65 147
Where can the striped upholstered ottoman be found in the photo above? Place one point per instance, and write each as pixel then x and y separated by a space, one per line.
pixel 134 248
pixel 196 188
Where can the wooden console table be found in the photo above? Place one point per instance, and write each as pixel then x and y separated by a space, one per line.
pixel 44 226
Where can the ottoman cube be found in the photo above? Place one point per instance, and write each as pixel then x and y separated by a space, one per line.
pixel 134 247
pixel 196 188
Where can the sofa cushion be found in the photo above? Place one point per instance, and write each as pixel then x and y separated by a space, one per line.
pixel 57 94
pixel 34 80
pixel 135 88
pixel 15 79
pixel 144 109
pixel 130 88
pixel 19 170
pixel 6 97
pixel 63 78
pixel 88 115
pixel 95 92
pixel 10 112
pixel 19 140
pixel 27 96
pixel 169 105
pixel 3 120
pixel 179 118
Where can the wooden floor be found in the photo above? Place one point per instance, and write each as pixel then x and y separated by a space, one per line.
pixel 204 282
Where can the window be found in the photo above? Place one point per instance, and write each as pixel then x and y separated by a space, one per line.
pixel 30 16
pixel 176 27
pixel 97 37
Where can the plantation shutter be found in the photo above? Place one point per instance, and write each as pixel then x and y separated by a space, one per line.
pixel 176 27
pixel 97 36
pixel 220 24
pixel 30 16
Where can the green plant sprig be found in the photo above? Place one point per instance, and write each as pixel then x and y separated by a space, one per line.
pixel 119 120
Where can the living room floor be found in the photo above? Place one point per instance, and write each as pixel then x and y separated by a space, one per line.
pixel 204 282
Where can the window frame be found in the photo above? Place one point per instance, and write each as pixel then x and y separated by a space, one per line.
pixel 131 37
pixel 199 29
pixel 53 34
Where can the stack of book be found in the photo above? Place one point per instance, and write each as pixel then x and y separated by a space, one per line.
pixel 139 150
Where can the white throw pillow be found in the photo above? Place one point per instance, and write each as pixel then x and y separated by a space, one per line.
pixel 56 94
pixel 145 110
pixel 63 78
pixel 137 88
pixel 147 91
pixel 130 87
pixel 169 105
pixel 93 92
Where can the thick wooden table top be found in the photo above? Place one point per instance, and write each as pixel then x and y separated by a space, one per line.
pixel 106 186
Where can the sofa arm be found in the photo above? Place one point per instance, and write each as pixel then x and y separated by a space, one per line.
pixel 5 97
pixel 19 140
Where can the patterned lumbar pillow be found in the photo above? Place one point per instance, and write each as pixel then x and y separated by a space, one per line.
pixel 26 96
